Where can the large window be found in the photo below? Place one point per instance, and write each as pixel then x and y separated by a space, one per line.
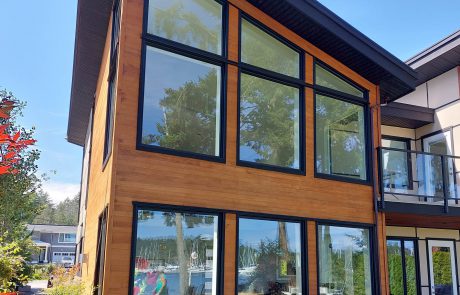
pixel 67 238
pixel 182 95
pixel 402 266
pixel 269 257
pixel 175 253
pixel 344 257
pixel 340 131
pixel 270 102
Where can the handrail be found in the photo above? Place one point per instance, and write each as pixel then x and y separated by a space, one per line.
pixel 387 183
pixel 417 152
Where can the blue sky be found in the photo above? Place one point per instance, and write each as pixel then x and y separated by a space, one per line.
pixel 36 56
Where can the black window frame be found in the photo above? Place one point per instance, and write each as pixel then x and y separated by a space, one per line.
pixel 407 141
pixel 149 40
pixel 180 209
pixel 299 83
pixel 373 250
pixel 112 81
pixel 356 100
pixel 272 217
pixel 403 254
pixel 99 270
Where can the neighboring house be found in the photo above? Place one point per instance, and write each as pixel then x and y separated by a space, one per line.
pixel 421 175
pixel 231 146
pixel 54 242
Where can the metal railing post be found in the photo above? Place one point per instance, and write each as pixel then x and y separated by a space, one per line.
pixel 444 190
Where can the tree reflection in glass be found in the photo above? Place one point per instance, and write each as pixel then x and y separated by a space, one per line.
pixel 344 260
pixel 181 107
pixel 269 257
pixel 176 253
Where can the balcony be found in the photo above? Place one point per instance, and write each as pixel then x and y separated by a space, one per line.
pixel 418 182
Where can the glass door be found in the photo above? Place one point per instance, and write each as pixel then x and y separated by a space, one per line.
pixel 440 144
pixel 402 266
pixel 443 271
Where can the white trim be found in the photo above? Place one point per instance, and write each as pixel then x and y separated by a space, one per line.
pixel 450 245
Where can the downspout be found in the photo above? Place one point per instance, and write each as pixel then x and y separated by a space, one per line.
pixel 375 192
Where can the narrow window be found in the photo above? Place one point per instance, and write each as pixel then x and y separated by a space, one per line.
pixel 344 260
pixel 397 170
pixel 100 254
pixel 269 257
pixel 340 133
pixel 402 266
pixel 175 253
pixel 270 101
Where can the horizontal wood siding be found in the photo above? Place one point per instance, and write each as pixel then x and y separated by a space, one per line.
pixel 158 178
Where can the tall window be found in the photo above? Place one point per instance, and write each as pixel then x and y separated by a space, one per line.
pixel 182 97
pixel 269 257
pixel 344 257
pixel 100 254
pixel 111 92
pixel 397 168
pixel 175 253
pixel 341 134
pixel 402 266
pixel 270 102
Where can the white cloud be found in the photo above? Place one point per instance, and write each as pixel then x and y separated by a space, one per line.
pixel 59 191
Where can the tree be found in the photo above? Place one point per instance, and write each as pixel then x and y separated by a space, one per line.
pixel 63 213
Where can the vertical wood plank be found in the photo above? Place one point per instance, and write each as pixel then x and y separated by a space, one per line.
pixel 312 258
pixel 233 36
pixel 309 68
pixel 230 254
pixel 232 110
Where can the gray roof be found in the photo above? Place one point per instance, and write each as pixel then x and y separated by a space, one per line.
pixel 437 59
pixel 48 228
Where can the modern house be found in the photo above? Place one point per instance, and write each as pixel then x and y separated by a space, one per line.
pixel 234 146
pixel 420 175
pixel 54 242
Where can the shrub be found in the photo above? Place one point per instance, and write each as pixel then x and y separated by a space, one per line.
pixel 65 282
pixel 42 271
pixel 12 266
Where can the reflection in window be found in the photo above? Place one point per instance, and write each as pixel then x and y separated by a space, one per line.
pixel 197 23
pixel 442 270
pixel 181 108
pixel 327 79
pixel 396 167
pixel 340 138
pixel 269 257
pixel 344 260
pixel 176 253
pixel 402 253
pixel 269 122
pixel 275 56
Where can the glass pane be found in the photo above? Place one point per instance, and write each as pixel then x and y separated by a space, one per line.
pixel 344 261
pixel 181 108
pixel 269 122
pixel 395 166
pixel 327 79
pixel 197 23
pixel 442 270
pixel 340 138
pixel 429 174
pixel 260 49
pixel 176 253
pixel 411 267
pixel 269 257
pixel 395 267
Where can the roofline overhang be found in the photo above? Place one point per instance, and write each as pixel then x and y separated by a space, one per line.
pixel 394 77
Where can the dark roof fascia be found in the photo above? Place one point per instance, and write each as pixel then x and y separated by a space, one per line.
pixel 336 25
pixel 406 116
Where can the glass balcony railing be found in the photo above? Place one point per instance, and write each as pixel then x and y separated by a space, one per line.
pixel 418 177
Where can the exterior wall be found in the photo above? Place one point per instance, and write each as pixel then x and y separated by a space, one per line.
pixel 423 235
pixel 133 175
pixel 99 182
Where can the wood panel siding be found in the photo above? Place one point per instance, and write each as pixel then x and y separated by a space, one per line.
pixel 312 268
pixel 159 178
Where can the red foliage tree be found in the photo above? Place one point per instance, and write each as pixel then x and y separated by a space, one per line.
pixel 11 143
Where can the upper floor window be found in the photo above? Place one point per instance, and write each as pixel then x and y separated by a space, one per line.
pixel 270 101
pixel 263 50
pixel 196 23
pixel 341 116
pixel 67 238
pixel 182 97
pixel 397 168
